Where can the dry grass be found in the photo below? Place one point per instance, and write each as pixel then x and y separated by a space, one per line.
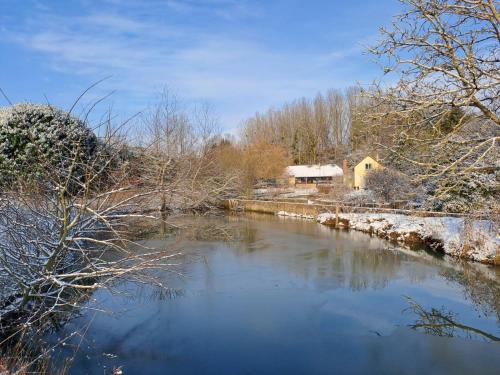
pixel 19 362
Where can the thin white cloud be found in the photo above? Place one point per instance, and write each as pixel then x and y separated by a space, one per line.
pixel 229 9
pixel 239 74
pixel 116 23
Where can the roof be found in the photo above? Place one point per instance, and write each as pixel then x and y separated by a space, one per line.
pixel 315 170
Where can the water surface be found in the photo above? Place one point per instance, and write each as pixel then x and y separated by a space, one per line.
pixel 284 296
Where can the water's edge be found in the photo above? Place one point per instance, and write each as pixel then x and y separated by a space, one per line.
pixel 443 234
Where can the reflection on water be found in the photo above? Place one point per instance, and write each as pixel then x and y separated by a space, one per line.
pixel 332 259
pixel 480 285
pixel 266 295
pixel 442 322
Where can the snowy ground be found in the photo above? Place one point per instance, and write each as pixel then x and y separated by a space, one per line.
pixel 285 192
pixel 478 240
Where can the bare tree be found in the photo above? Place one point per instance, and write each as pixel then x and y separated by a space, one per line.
pixel 446 55
pixel 206 127
pixel 177 157
pixel 388 184
pixel 66 232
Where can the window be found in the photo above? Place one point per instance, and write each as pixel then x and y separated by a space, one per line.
pixel 368 166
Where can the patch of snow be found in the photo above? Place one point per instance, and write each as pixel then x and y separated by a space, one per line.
pixel 291 214
pixel 299 193
pixel 480 241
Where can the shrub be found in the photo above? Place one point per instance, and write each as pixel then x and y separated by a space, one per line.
pixel 464 193
pixel 360 197
pixel 388 185
pixel 40 139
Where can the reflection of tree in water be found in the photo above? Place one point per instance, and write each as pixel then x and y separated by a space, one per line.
pixel 230 229
pixel 212 231
pixel 442 322
pixel 373 269
pixel 357 268
pixel 481 285
pixel 247 233
pixel 345 259
pixel 151 293
pixel 190 228
pixel 332 259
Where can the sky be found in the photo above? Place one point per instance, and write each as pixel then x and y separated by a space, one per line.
pixel 238 56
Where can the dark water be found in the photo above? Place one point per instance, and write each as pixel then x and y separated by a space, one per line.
pixel 295 297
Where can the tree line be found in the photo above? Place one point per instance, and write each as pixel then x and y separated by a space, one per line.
pixel 325 128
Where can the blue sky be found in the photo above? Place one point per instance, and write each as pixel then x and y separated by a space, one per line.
pixel 239 56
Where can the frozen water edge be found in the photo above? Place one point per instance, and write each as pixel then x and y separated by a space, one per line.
pixel 478 241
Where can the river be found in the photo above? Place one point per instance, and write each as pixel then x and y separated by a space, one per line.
pixel 273 295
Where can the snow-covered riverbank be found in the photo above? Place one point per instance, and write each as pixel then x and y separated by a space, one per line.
pixel 477 240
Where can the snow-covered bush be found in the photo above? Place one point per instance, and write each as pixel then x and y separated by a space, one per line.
pixel 360 197
pixel 40 139
pixel 469 192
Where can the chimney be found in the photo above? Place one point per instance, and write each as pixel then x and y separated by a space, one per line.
pixel 345 167
pixel 345 171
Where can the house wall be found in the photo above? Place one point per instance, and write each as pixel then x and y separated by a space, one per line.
pixel 306 186
pixel 313 182
pixel 360 171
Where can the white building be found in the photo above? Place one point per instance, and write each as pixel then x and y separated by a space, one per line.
pixel 313 174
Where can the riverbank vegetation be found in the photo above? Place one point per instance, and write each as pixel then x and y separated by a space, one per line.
pixel 71 195
pixel 64 219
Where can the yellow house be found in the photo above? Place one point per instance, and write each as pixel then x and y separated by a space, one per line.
pixel 362 168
